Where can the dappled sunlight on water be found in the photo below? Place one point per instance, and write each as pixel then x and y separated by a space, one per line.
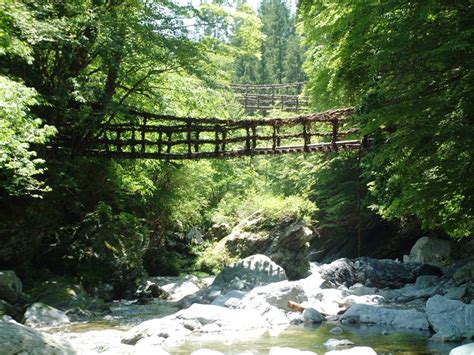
pixel 313 338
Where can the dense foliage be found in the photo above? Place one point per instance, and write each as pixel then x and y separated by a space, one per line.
pixel 408 67
pixel 67 67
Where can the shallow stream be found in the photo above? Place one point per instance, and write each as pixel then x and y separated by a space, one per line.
pixel 383 340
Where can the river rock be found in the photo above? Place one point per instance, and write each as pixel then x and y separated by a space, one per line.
pixel 64 294
pixel 150 290
pixel 42 315
pixel 390 273
pixel 256 270
pixel 464 274
pixel 18 339
pixel 277 294
pixel 231 299
pixel 397 318
pixel 333 344
pixel 10 286
pixel 97 341
pixel 358 350
pixel 339 272
pixel 165 328
pixel 205 319
pixel 451 320
pixel 181 287
pixel 433 251
pixel 227 319
pixel 466 349
pixel 289 249
pixel 455 293
pixel 289 351
pixel 310 315
pixel 285 243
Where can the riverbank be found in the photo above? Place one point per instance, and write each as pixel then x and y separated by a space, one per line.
pixel 251 307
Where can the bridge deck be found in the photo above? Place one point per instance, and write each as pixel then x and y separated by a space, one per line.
pixel 152 136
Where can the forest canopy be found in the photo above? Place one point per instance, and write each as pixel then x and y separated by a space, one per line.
pixel 69 67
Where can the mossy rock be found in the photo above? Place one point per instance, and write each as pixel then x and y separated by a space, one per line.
pixel 65 295
pixel 6 309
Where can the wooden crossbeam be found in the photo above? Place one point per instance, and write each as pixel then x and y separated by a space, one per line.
pixel 168 137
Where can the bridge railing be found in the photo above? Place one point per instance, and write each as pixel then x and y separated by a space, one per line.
pixel 168 137
pixel 285 97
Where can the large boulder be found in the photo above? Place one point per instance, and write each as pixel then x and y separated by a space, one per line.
pixel 276 294
pixel 290 249
pixel 397 318
pixel 65 294
pixel 255 270
pixel 41 315
pixel 391 273
pixel 466 349
pixel 10 286
pixel 433 251
pixel 451 320
pixel 465 273
pixel 18 339
pixel 339 272
pixel 286 243
pixel 198 318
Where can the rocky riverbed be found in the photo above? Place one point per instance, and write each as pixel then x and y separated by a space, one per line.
pixel 361 306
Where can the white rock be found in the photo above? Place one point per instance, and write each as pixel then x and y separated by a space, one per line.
pixel 41 315
pixel 277 294
pixel 162 327
pixel 18 339
pixel 467 349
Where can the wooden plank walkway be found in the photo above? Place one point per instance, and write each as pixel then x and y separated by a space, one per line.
pixel 153 136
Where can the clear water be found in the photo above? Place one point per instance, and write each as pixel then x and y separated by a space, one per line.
pixel 313 339
pixel 395 341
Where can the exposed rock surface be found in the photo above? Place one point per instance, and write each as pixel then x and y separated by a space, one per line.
pixel 397 318
pixel 431 251
pixel 451 320
pixel 339 272
pixel 18 339
pixel 198 318
pixel 10 286
pixel 64 295
pixel 466 349
pixel 390 273
pixel 255 270
pixel 42 315
pixel 286 243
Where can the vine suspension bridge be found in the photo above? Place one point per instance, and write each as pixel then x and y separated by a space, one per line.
pixel 153 136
